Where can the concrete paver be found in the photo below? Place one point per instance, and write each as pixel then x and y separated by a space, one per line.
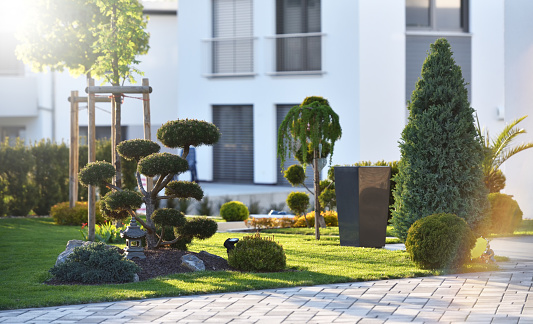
pixel 504 296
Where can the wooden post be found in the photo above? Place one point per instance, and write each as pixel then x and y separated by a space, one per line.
pixel 74 141
pixel 147 126
pixel 92 158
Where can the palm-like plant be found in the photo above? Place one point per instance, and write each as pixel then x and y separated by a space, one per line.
pixel 498 150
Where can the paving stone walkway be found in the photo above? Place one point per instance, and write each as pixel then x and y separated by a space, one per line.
pixel 504 296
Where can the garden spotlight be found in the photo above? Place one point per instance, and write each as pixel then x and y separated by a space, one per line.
pixel 229 244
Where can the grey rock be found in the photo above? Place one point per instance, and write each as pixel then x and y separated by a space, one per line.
pixel 71 245
pixel 192 262
pixel 135 278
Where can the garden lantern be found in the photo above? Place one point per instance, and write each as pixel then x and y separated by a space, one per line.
pixel 133 235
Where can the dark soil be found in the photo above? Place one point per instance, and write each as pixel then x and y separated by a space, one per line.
pixel 164 262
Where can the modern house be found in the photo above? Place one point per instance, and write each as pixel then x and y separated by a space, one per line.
pixel 244 63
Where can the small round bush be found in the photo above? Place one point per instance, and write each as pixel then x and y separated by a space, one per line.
pixel 234 211
pixel 95 263
pixel 136 149
pixel 64 215
pixel 188 132
pixel 440 241
pixel 162 163
pixel 168 217
pixel 256 253
pixel 95 173
pixel 122 200
pixel 298 202
pixel 295 174
pixel 184 189
pixel 506 215
pixel 198 227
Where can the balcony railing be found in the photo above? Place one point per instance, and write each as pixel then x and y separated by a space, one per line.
pixel 296 53
pixel 229 56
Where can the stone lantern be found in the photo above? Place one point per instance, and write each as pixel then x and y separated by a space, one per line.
pixel 133 235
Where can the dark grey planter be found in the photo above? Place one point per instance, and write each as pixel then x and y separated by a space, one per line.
pixel 362 204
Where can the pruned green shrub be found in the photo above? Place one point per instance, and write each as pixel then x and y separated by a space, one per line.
pixel 298 202
pixel 188 132
pixel 64 215
pixel 234 211
pixel 256 253
pixel 116 215
pixel 168 217
pixel 295 174
pixel 184 189
pixel 506 215
pixel 440 241
pixel 122 200
pixel 162 163
pixel 95 173
pixel 136 149
pixel 196 227
pixel 95 263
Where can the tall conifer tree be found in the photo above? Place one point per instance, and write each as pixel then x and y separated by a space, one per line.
pixel 440 168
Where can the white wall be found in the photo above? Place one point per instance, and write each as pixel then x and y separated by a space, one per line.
pixel 519 97
pixel 381 79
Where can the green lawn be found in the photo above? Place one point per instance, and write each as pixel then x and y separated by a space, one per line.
pixel 329 231
pixel 30 246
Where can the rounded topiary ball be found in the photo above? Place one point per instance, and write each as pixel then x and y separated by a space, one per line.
pixel 188 132
pixel 506 215
pixel 440 241
pixel 256 253
pixel 162 163
pixel 168 217
pixel 136 149
pixel 95 173
pixel 234 211
pixel 295 174
pixel 298 202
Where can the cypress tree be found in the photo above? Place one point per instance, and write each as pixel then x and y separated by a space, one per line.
pixel 440 168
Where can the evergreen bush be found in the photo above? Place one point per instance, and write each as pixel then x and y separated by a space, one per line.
pixel 95 263
pixel 505 214
pixel 440 241
pixel 64 215
pixel 234 211
pixel 256 253
pixel 441 155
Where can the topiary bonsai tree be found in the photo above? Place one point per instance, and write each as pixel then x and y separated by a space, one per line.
pixel 309 132
pixel 119 203
pixel 441 156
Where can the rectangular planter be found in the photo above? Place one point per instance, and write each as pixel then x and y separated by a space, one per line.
pixel 362 204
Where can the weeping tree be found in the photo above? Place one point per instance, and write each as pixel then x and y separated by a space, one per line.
pixel 440 170
pixel 308 133
pixel 498 150
pixel 119 203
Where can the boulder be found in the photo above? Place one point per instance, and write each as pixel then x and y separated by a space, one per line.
pixel 192 262
pixel 71 245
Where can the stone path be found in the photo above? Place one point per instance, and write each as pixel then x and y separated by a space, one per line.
pixel 505 296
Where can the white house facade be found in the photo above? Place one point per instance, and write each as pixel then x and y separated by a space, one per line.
pixel 243 63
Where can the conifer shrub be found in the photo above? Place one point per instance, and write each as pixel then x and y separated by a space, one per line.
pixel 256 253
pixel 440 241
pixel 64 215
pixel 440 170
pixel 505 214
pixel 295 174
pixel 96 263
pixel 234 211
pixel 195 227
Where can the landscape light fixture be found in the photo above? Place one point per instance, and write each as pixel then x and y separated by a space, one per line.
pixel 229 244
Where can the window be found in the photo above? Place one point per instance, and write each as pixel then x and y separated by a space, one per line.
pixel 233 154
pixel 232 42
pixel 436 15
pixel 298 35
pixel 12 133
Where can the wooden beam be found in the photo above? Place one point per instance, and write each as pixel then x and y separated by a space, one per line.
pixel 74 140
pixel 91 201
pixel 118 89
pixel 147 127
pixel 84 99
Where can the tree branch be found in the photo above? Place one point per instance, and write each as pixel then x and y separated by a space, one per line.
pixel 140 184
pixel 112 186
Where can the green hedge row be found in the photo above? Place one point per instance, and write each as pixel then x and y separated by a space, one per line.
pixel 35 177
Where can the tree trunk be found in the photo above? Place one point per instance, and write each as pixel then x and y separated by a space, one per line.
pixel 151 238
pixel 319 220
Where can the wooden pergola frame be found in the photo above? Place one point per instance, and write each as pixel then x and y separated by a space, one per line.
pixel 91 100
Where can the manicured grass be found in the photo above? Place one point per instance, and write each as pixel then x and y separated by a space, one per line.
pixel 329 231
pixel 30 246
